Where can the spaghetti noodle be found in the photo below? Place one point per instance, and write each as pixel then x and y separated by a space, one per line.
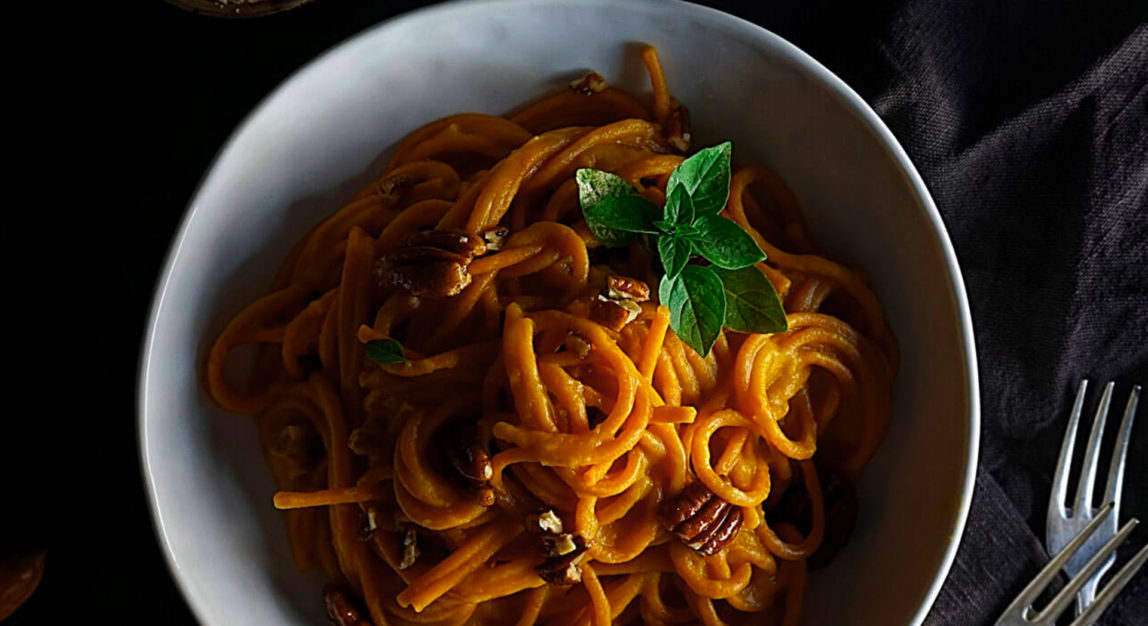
pixel 520 467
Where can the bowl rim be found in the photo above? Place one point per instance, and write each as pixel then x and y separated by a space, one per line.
pixel 753 32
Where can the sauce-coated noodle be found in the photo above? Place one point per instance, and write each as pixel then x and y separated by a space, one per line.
pixel 600 427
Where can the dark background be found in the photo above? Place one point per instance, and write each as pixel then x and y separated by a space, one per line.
pixel 1028 121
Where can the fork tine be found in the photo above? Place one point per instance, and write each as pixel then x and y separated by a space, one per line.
pixel 1060 477
pixel 1116 469
pixel 1066 595
pixel 1052 570
pixel 1083 501
pixel 1112 589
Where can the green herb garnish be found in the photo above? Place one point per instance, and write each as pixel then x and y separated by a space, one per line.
pixel 729 292
pixel 386 351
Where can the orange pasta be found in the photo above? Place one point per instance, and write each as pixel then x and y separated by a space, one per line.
pixel 526 461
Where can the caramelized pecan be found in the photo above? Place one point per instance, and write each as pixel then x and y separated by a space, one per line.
pixel 701 519
pixel 589 84
pixel 561 551
pixel 495 237
pixel 341 610
pixel 620 287
pixel 545 522
pixel 564 569
pixel 431 264
pixel 370 524
pixel 468 456
pixel 410 548
pixel 619 306
pixel 578 344
pixel 561 544
pixel 614 314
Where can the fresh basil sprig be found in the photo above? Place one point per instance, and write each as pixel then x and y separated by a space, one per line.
pixel 729 292
pixel 385 351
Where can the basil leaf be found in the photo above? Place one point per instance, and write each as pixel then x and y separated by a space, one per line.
pixel 697 306
pixel 705 178
pixel 751 303
pixel 674 252
pixel 386 351
pixel 724 243
pixel 679 207
pixel 614 220
pixel 612 207
pixel 594 185
pixel 664 226
pixel 688 231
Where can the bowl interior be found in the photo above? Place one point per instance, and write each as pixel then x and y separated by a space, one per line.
pixel 314 141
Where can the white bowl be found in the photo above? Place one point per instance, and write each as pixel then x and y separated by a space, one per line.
pixel 316 138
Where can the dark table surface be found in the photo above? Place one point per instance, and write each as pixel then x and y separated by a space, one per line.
pixel 1028 120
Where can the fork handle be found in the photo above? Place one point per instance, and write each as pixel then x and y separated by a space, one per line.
pixel 1087 595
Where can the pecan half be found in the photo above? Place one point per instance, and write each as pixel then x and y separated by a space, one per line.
pixel 431 264
pixel 620 287
pixel 468 456
pixel 341 610
pixel 589 84
pixel 619 306
pixel 701 519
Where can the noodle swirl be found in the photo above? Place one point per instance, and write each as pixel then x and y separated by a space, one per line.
pixel 600 427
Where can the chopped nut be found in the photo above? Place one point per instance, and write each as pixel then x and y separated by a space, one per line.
pixel 560 545
pixel 589 84
pixel 620 287
pixel 431 264
pixel 565 569
pixel 466 453
pixel 495 237
pixel 701 519
pixel 619 305
pixel 371 524
pixel 410 549
pixel 614 314
pixel 545 522
pixel 578 345
pixel 341 610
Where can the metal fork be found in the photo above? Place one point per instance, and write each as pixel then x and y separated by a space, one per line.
pixel 1021 613
pixel 1065 523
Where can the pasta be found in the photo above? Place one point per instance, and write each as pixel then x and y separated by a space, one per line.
pixel 530 462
